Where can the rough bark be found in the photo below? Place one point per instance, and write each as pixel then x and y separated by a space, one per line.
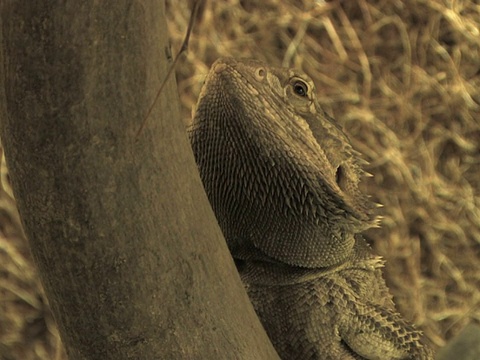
pixel 131 258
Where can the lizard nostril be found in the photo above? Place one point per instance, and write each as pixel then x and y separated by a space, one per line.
pixel 260 73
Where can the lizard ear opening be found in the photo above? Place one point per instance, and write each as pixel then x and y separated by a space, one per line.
pixel 339 176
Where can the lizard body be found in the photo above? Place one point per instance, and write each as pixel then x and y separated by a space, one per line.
pixel 282 179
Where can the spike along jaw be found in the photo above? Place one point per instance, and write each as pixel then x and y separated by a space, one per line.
pixel 280 175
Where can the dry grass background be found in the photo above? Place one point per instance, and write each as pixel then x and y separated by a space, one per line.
pixel 403 78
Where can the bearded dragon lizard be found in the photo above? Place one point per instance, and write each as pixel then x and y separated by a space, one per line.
pixel 282 179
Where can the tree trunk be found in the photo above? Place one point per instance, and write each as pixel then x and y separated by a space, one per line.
pixel 130 255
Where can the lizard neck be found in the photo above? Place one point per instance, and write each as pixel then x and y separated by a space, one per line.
pixel 256 269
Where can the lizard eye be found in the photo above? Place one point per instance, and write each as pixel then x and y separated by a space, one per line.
pixel 300 88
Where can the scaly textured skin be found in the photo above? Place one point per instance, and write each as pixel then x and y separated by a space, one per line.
pixel 282 179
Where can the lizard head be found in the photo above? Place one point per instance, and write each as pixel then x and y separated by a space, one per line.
pixel 280 174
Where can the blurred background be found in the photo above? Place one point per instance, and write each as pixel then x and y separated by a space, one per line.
pixel 403 79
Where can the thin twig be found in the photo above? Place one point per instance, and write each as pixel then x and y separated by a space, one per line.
pixel 183 49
